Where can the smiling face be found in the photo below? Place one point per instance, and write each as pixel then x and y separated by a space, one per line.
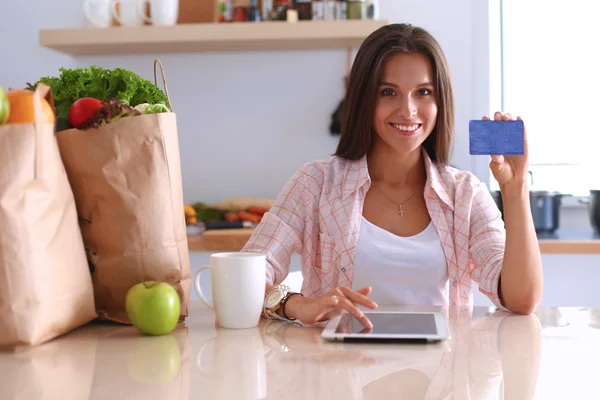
pixel 417 91
pixel 405 106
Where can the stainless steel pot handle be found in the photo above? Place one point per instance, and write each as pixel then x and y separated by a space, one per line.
pixel 530 178
pixel 584 200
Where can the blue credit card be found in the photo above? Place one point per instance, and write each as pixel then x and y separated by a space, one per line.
pixel 496 137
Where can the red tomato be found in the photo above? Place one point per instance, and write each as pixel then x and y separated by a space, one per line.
pixel 83 109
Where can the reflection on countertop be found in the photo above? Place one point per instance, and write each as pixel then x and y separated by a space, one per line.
pixel 491 355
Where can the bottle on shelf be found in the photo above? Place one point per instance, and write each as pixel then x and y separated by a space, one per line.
pixel 373 9
pixel 340 9
pixel 318 10
pixel 240 10
pixel 225 10
pixel 267 9
pixel 304 8
pixel 253 12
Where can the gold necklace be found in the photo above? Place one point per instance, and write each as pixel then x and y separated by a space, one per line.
pixel 400 210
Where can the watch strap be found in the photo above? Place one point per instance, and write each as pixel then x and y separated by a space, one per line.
pixel 283 303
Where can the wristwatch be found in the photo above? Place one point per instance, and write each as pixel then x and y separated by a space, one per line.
pixel 274 300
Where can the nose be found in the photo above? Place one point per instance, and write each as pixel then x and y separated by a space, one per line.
pixel 406 107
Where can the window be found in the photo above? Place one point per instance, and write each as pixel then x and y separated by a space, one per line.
pixel 551 77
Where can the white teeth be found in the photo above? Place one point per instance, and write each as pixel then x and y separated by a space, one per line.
pixel 405 128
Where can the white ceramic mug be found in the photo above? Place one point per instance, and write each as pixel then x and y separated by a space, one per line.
pixel 129 13
pixel 237 366
pixel 164 12
pixel 97 13
pixel 238 288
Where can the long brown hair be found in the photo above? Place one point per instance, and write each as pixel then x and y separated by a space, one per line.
pixel 357 131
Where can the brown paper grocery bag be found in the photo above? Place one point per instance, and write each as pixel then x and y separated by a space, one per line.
pixel 45 284
pixel 126 178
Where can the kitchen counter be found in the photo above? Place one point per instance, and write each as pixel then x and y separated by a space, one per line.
pixel 491 355
pixel 564 241
pixel 570 241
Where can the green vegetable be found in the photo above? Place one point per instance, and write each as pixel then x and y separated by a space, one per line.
pixel 111 111
pixel 141 107
pixel 156 108
pixel 100 83
pixel 204 213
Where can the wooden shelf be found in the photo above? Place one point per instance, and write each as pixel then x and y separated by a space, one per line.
pixel 219 240
pixel 569 247
pixel 243 36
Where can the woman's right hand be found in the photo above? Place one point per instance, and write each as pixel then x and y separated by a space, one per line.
pixel 330 305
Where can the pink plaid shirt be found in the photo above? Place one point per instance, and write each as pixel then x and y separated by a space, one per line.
pixel 318 215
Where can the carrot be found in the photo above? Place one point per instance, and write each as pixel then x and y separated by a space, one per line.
pixel 247 216
pixel 257 210
pixel 231 217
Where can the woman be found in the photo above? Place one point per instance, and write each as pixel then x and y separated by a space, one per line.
pixel 386 219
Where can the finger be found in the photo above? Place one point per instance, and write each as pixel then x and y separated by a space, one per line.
pixel 497 116
pixel 497 159
pixel 328 302
pixel 355 312
pixel 365 291
pixel 366 331
pixel 358 298
pixel 507 117
pixel 485 118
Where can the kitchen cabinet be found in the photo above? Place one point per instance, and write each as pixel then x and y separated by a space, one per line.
pixel 239 36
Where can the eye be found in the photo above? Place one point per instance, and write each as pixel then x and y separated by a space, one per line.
pixel 388 92
pixel 424 92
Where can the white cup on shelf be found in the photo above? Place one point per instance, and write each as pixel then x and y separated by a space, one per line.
pixel 129 12
pixel 97 13
pixel 163 12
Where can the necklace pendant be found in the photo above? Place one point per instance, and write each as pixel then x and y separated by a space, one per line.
pixel 401 212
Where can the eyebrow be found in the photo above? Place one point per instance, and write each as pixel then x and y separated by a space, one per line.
pixel 394 85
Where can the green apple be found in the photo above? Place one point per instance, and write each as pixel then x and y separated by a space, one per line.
pixel 153 307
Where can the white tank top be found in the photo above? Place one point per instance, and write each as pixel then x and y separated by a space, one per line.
pixel 401 270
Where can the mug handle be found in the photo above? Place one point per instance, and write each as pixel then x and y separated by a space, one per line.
pixel 89 15
pixel 199 290
pixel 113 10
pixel 142 11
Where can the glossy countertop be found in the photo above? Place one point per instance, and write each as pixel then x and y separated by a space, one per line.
pixel 552 354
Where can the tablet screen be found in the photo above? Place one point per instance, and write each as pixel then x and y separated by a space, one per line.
pixel 390 323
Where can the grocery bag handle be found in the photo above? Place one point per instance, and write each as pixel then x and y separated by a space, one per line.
pixel 162 73
pixel 40 92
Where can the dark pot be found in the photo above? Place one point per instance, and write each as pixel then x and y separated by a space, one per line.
pixel 594 209
pixel 498 199
pixel 545 210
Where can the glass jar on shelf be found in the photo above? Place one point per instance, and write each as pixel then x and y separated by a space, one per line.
pixel 356 9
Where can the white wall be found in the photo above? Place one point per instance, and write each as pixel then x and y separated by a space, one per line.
pixel 273 106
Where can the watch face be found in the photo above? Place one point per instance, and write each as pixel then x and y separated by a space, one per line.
pixel 273 298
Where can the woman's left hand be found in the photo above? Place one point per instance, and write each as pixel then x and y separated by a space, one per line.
pixel 510 170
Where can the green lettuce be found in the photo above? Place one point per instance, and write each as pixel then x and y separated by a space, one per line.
pixel 101 84
pixel 156 108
